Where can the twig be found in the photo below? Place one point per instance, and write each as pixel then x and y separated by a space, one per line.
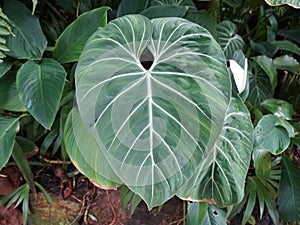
pixel 116 218
pixel 81 209
pixel 77 9
pixel 54 161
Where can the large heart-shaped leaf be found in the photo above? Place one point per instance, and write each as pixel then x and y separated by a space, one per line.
pixel 154 124
pixel 222 182
pixel 71 42
pixel 8 129
pixel 40 87
pixel 29 41
pixel 79 145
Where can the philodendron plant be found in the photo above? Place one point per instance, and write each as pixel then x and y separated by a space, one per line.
pixel 156 110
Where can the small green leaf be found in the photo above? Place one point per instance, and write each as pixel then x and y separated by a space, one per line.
pixel 29 147
pixel 214 216
pixel 45 193
pixel 30 41
pixel 196 212
pixel 289 192
pixel 279 108
pixel 287 63
pixel 40 87
pixel 71 42
pixel 262 163
pixel 272 134
pixel 165 11
pixel 267 65
pixel 4 67
pixel 8 129
pixel 131 7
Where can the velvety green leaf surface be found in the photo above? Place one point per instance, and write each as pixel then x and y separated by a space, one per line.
pixel 262 163
pixel 154 124
pixel 8 129
pixel 30 41
pixel 40 87
pixel 165 11
pixel 228 38
pixel 72 40
pixel 9 96
pixel 222 181
pixel 131 7
pixel 269 68
pixel 289 192
pixel 287 63
pixel 85 153
pixel 279 108
pixel 260 87
pixel 272 134
pixel 293 3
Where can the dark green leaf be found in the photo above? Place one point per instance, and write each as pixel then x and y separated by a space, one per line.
pixel 289 192
pixel 260 87
pixel 8 129
pixel 131 7
pixel 279 108
pixel 4 67
pixel 165 11
pixel 268 67
pixel 22 163
pixel 29 147
pixel 262 163
pixel 287 46
pixel 287 63
pixel 30 41
pixel 9 96
pixel 228 38
pixel 71 42
pixel 272 134
pixel 40 87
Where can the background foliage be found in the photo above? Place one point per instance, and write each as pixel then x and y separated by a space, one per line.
pixel 51 52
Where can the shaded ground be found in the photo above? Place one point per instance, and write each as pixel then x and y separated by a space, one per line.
pixel 86 204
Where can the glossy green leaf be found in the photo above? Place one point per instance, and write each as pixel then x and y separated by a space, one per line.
pixel 272 134
pixel 196 212
pixel 29 41
pixel 8 129
pixel 293 34
pixel 289 192
pixel 72 40
pixel 165 11
pixel 79 145
pixel 260 87
pixel 287 46
pixel 222 181
pixel 268 67
pixel 287 63
pixel 154 124
pixel 4 67
pixel 9 96
pixel 131 7
pixel 262 163
pixel 293 3
pixel 213 215
pixel 40 87
pixel 228 38
pixel 279 108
